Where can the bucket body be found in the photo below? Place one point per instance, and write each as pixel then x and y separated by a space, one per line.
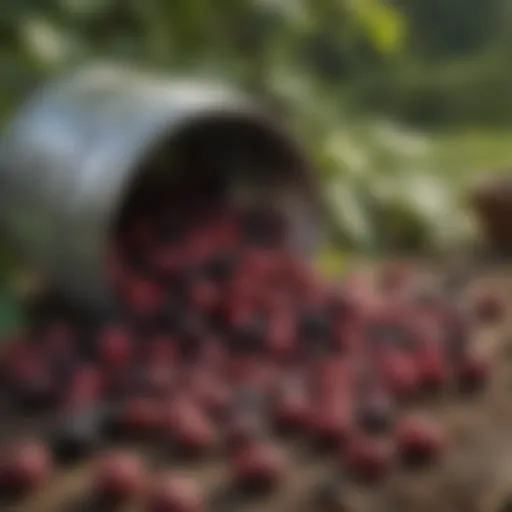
pixel 69 158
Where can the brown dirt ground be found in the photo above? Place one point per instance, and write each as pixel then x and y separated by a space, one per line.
pixel 476 475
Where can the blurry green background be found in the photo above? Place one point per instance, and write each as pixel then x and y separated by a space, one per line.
pixel 401 102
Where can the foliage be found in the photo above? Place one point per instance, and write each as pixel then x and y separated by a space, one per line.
pixel 474 90
pixel 320 60
pixel 315 58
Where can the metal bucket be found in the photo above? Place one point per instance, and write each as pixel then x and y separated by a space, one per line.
pixel 75 151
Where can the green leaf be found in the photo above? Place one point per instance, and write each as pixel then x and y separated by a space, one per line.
pixel 12 317
pixel 86 8
pixel 384 26
pixel 47 43
pixel 333 262
pixel 350 214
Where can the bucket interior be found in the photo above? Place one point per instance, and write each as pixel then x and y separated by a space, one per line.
pixel 228 157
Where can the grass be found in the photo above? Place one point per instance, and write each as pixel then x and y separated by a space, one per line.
pixel 472 151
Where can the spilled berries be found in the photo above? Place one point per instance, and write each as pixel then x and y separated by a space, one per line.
pixel 225 343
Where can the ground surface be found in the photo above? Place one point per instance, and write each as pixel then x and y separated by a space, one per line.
pixel 476 475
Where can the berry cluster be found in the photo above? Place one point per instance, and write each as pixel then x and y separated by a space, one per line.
pixel 222 342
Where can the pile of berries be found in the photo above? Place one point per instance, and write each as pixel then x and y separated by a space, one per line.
pixel 223 341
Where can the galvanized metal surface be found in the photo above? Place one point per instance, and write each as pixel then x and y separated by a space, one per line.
pixel 71 154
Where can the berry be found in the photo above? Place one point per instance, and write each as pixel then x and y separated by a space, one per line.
pixel 489 308
pixel 281 343
pixel 174 494
pixel 157 379
pixel 292 409
pixel 86 386
pixel 400 375
pixel 258 468
pixel 142 296
pixel 395 276
pixel 33 387
pixel 115 346
pixel 190 430
pixel 432 371
pixel 329 426
pixel 419 441
pixel 118 479
pixel 161 349
pixel 472 372
pixel 24 468
pixel 140 417
pixel 368 459
pixel 204 296
pixel 340 304
pixel 213 354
